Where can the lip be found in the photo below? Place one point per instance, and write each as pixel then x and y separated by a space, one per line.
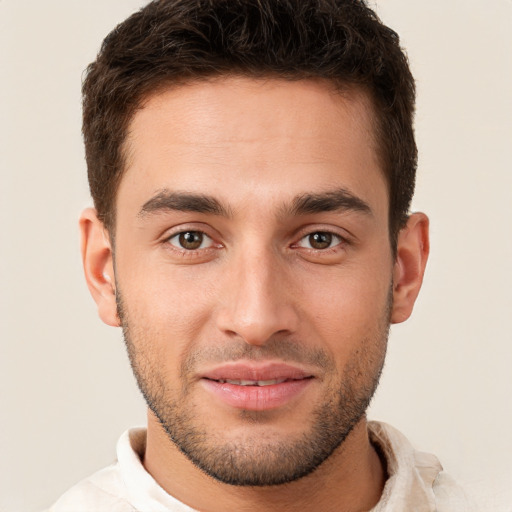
pixel 291 382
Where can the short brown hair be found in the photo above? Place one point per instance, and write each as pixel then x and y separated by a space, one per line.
pixel 175 41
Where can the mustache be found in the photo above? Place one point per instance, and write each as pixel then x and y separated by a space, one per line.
pixel 284 349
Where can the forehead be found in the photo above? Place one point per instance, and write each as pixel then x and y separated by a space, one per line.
pixel 266 138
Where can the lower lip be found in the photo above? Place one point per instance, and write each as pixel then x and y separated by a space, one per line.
pixel 257 398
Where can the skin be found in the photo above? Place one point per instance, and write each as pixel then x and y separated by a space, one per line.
pixel 255 286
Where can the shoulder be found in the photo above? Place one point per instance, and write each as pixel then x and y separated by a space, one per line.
pixel 450 496
pixel 106 490
pixel 416 480
pixel 102 491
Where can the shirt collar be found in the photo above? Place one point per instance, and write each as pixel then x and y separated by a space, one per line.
pixel 411 474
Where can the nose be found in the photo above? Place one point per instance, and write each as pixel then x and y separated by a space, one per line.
pixel 258 299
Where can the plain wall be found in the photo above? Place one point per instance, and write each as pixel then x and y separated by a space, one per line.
pixel 66 388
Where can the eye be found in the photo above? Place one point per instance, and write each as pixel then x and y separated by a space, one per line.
pixel 191 240
pixel 320 240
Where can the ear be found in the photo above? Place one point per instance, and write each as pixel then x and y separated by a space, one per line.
pixel 411 258
pixel 97 259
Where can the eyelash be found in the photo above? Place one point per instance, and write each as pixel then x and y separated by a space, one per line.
pixel 333 237
pixel 190 253
pixel 190 231
pixel 185 252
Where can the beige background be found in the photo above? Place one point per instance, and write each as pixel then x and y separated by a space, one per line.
pixel 65 387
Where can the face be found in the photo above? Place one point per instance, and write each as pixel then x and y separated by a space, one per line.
pixel 253 271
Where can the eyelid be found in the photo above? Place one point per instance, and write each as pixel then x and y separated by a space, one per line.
pixel 344 235
pixel 336 238
pixel 199 227
pixel 179 233
pixel 184 227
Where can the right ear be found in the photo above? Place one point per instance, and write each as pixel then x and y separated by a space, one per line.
pixel 97 259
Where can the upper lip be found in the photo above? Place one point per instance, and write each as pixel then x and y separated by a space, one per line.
pixel 256 372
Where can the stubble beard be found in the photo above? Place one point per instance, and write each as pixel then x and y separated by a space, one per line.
pixel 263 460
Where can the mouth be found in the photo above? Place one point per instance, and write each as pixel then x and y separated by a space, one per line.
pixel 256 388
pixel 260 383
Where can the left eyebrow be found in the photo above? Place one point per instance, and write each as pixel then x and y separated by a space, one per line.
pixel 337 200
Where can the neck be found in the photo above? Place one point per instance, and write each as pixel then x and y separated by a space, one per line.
pixel 350 480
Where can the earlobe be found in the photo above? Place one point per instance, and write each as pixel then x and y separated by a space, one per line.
pixel 97 259
pixel 411 259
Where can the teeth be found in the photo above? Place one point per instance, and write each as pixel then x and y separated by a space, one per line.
pixel 270 382
pixel 252 382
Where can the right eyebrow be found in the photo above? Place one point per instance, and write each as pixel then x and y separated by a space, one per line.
pixel 167 200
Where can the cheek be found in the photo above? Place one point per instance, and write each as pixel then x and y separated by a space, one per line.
pixel 350 306
pixel 168 308
pixel 347 291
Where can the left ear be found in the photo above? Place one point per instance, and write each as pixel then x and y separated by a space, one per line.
pixel 411 258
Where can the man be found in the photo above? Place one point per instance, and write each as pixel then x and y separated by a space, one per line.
pixel 252 164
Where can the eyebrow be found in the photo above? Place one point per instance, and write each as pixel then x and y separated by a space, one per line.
pixel 337 200
pixel 184 202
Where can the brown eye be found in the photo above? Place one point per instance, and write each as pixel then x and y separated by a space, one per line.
pixel 190 240
pixel 320 240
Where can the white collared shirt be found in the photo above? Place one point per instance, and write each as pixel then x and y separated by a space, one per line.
pixel 416 481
